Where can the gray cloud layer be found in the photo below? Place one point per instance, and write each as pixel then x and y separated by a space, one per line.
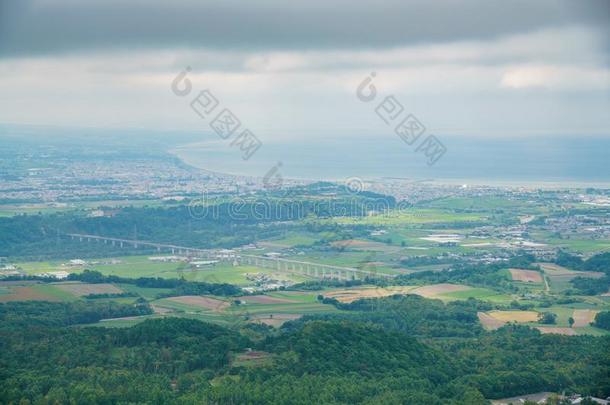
pixel 290 68
pixel 34 27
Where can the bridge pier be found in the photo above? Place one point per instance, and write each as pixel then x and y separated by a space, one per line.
pixel 280 264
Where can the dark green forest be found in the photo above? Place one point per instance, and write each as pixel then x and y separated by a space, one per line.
pixel 394 350
pixel 222 225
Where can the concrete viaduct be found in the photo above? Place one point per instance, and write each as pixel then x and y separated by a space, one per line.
pixel 314 270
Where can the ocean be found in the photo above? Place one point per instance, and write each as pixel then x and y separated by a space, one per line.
pixel 521 160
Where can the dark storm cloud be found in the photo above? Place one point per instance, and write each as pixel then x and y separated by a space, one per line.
pixel 30 27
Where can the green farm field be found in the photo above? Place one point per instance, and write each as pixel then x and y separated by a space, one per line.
pixel 79 208
pixel 293 239
pixel 226 273
pixel 585 246
pixel 409 217
pixel 141 266
pixel 485 204
pixel 483 294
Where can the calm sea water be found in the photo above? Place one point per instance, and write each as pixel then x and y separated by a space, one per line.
pixel 571 160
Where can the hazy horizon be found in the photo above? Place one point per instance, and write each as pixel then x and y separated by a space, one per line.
pixel 461 90
pixel 545 160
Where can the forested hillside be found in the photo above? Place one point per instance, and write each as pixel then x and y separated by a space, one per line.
pixel 359 359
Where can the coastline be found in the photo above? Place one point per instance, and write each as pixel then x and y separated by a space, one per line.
pixel 183 154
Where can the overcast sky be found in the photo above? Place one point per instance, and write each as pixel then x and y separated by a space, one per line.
pixel 291 68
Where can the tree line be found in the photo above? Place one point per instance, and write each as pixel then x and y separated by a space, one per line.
pixel 425 355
